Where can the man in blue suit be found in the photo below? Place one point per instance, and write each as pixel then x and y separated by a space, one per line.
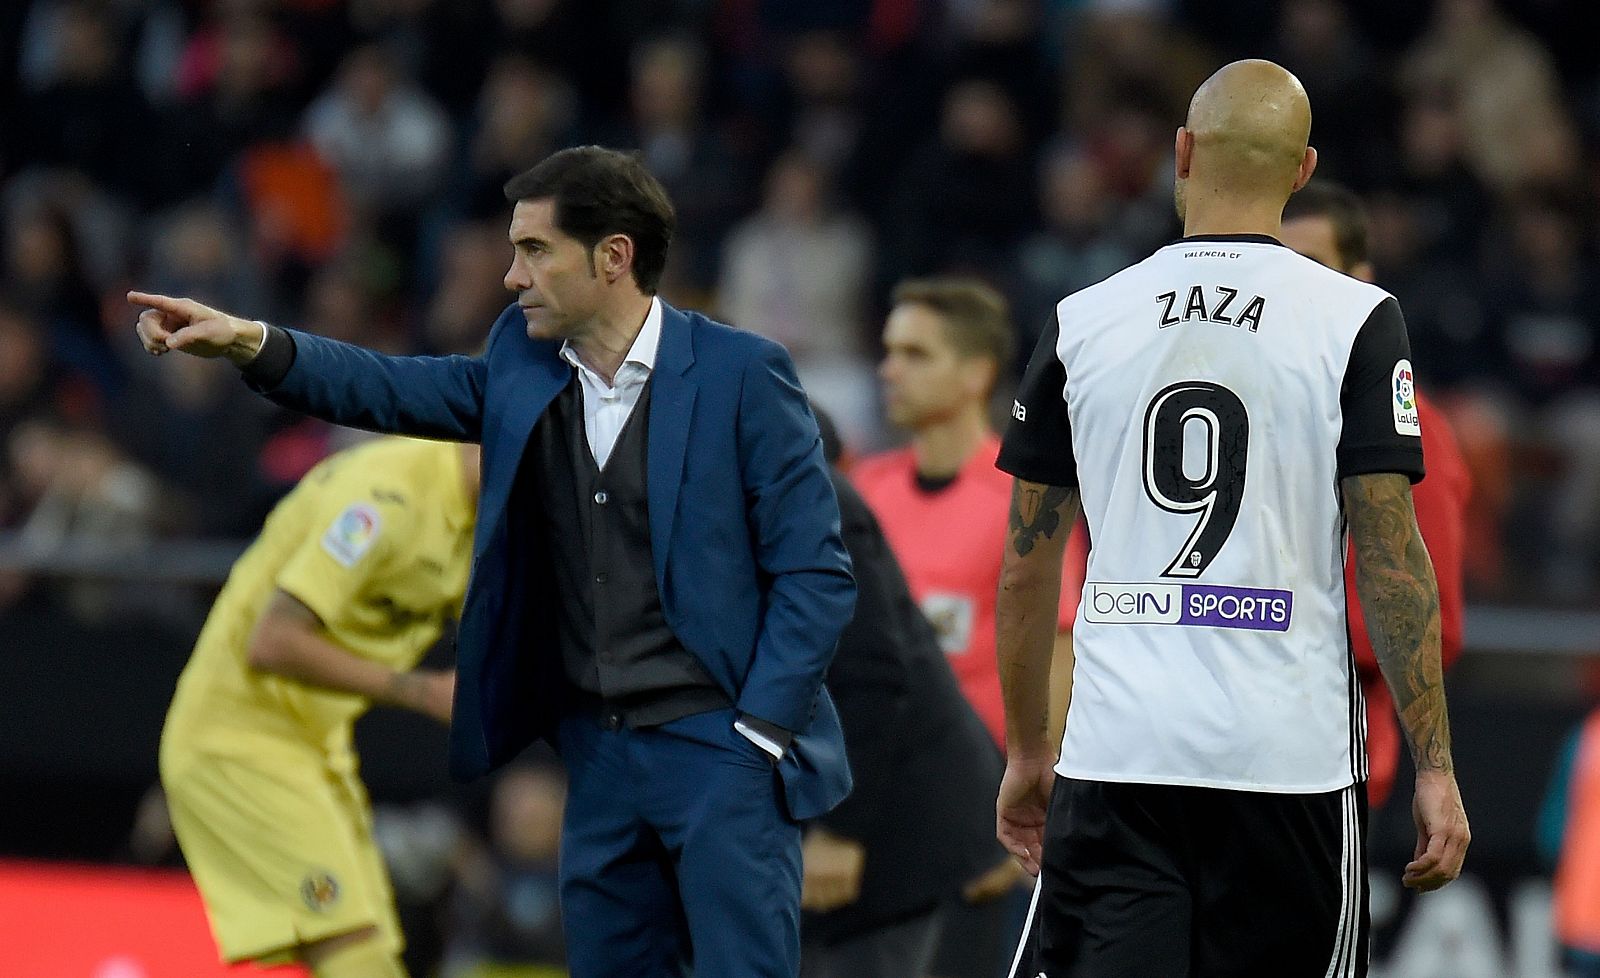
pixel 659 580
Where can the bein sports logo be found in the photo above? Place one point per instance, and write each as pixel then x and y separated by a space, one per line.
pixel 1406 419
pixel 1206 605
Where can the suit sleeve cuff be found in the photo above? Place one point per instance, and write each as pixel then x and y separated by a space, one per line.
pixel 768 736
pixel 272 362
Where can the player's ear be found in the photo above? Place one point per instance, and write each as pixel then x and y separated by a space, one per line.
pixel 1308 166
pixel 1183 152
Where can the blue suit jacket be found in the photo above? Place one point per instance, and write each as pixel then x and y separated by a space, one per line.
pixel 744 525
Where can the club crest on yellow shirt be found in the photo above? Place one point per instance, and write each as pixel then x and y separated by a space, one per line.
pixel 319 890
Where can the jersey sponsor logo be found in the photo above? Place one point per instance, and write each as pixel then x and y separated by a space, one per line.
pixel 352 534
pixel 951 616
pixel 1205 605
pixel 1019 410
pixel 1133 604
pixel 319 890
pixel 1406 419
pixel 1224 606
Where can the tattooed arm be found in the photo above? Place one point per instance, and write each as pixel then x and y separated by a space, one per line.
pixel 1394 578
pixel 1025 632
pixel 1026 609
pixel 1400 597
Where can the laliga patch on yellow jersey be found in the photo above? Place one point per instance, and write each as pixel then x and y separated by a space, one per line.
pixel 319 890
pixel 352 534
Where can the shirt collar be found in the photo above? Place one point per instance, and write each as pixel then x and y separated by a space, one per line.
pixel 643 351
pixel 1241 238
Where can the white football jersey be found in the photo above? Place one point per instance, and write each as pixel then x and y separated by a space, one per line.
pixel 1206 402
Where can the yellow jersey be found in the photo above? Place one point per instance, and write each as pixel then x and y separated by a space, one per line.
pixel 377 541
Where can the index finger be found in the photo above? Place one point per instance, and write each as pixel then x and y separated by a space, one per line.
pixel 165 303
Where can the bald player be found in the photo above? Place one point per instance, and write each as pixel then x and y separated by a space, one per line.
pixel 1206 815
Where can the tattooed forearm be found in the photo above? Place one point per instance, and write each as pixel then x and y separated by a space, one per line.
pixel 1035 512
pixel 1026 610
pixel 1394 578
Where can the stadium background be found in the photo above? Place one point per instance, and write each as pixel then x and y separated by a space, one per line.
pixel 336 166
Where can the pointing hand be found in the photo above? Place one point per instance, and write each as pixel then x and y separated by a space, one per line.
pixel 183 324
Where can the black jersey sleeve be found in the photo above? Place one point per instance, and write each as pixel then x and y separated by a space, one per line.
pixel 1379 400
pixel 1038 442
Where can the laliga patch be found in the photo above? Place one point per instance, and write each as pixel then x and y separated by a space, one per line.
pixel 1406 421
pixel 352 534
pixel 319 890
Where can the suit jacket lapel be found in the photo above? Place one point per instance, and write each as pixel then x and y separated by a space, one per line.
pixel 672 395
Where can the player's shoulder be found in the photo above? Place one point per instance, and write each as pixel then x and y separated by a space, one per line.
pixel 1110 290
pixel 1325 282
pixel 379 494
pixel 390 473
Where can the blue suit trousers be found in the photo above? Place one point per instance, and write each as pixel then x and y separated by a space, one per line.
pixel 676 849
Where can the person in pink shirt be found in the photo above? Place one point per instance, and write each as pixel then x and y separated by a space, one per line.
pixel 940 499
pixel 943 504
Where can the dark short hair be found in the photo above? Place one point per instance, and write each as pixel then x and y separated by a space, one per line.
pixel 976 318
pixel 1342 208
pixel 600 192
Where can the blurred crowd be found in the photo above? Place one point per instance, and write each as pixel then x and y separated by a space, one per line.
pixel 336 165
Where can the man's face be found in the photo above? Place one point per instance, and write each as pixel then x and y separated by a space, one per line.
pixel 925 379
pixel 552 273
pixel 1314 237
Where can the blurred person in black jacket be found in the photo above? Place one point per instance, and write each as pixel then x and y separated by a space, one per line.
pixel 920 821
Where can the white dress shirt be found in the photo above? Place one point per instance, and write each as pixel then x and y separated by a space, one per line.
pixel 606 408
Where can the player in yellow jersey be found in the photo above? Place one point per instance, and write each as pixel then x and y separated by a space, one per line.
pixel 328 612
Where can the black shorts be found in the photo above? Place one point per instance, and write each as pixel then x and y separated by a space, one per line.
pixel 1170 881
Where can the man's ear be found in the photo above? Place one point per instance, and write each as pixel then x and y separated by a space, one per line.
pixel 1183 152
pixel 1308 166
pixel 613 257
